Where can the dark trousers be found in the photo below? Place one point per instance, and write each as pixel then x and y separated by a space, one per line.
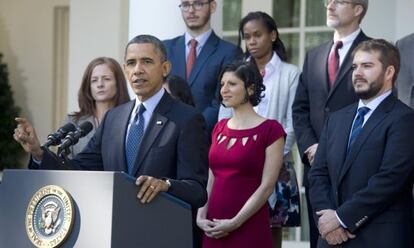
pixel 313 229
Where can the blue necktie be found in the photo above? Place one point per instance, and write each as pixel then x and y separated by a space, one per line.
pixel 357 127
pixel 136 131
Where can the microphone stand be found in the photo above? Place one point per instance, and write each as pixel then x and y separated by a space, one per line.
pixel 63 158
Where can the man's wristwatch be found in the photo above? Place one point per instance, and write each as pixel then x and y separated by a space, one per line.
pixel 168 182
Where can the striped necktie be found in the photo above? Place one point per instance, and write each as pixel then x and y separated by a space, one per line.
pixel 357 127
pixel 136 132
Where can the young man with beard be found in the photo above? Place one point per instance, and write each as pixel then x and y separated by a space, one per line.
pixel 361 181
pixel 199 55
pixel 325 84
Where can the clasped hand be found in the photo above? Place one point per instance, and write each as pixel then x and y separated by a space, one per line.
pixel 217 228
pixel 330 228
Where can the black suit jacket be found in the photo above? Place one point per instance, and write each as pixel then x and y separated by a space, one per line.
pixel 370 187
pixel 175 146
pixel 203 80
pixel 315 101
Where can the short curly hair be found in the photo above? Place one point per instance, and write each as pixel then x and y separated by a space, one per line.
pixel 250 75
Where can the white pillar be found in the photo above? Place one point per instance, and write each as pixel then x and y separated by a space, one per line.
pixel 162 18
pixel 97 28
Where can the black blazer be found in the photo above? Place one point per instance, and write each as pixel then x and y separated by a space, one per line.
pixel 175 146
pixel 370 188
pixel 203 80
pixel 315 101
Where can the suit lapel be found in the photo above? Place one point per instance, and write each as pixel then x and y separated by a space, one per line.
pixel 343 137
pixel 376 118
pixel 155 126
pixel 179 61
pixel 208 49
pixel 323 56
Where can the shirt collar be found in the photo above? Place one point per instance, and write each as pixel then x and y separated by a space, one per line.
pixel 151 103
pixel 201 39
pixel 347 39
pixel 374 103
pixel 274 63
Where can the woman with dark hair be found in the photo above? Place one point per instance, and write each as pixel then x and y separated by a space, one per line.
pixel 245 157
pixel 178 88
pixel 103 87
pixel 266 50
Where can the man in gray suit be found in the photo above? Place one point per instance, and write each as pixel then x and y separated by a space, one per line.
pixel 405 81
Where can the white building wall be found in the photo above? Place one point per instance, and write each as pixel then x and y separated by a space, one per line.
pixel 97 28
pixel 26 41
pixel 162 18
pixel 404 18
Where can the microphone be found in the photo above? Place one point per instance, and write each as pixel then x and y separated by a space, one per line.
pixel 54 139
pixel 73 137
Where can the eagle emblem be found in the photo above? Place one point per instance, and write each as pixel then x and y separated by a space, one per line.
pixel 50 217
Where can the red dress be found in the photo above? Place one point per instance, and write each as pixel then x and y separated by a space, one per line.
pixel 236 159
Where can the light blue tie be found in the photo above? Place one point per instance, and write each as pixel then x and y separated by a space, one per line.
pixel 136 132
pixel 357 127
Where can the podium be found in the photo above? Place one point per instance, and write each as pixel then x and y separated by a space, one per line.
pixel 107 212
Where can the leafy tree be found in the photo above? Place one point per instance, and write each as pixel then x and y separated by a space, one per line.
pixel 10 150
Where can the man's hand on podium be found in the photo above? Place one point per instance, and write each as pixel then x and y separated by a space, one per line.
pixel 150 187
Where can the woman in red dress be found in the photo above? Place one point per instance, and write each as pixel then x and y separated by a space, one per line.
pixel 245 158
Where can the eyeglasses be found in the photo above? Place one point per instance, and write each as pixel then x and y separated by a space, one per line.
pixel 197 5
pixel 337 2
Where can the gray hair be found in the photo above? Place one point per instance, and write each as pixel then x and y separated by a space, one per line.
pixel 364 4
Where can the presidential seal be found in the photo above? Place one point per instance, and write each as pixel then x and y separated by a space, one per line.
pixel 49 217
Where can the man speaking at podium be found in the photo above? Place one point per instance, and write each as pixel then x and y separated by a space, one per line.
pixel 155 138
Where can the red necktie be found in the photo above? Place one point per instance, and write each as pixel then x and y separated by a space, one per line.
pixel 191 57
pixel 333 62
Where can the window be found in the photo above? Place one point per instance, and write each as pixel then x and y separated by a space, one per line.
pixel 301 23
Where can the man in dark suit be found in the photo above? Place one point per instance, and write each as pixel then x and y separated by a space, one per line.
pixel 361 181
pixel 405 81
pixel 199 55
pixel 323 89
pixel 171 154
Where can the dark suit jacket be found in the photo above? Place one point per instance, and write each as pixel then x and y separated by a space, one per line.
pixel 314 101
pixel 370 188
pixel 203 81
pixel 175 146
pixel 405 81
